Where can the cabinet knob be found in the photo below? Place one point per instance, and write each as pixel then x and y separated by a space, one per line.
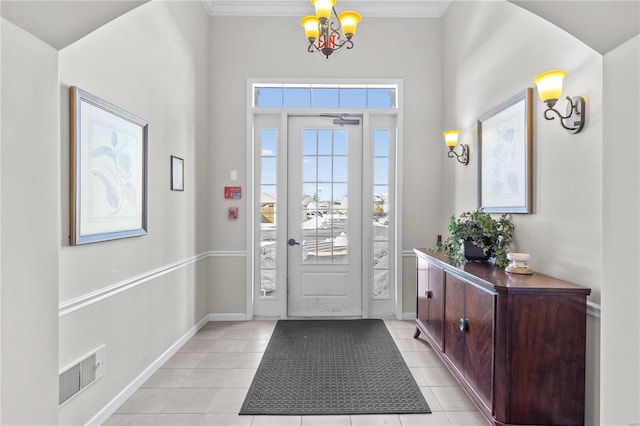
pixel 463 325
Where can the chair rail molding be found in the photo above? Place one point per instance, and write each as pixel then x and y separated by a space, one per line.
pixel 88 299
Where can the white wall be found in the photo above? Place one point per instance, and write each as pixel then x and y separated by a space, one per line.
pixel 491 51
pixel 152 62
pixel 621 212
pixel 30 224
pixel 407 49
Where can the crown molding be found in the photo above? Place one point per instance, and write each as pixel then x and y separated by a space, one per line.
pixel 372 8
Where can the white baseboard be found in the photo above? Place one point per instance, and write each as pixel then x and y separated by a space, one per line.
pixel 228 317
pixel 408 316
pixel 116 402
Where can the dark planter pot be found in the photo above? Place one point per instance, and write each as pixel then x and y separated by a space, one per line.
pixel 474 253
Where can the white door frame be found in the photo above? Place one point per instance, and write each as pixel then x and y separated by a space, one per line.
pixel 252 199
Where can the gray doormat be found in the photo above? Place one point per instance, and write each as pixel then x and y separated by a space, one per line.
pixel 332 367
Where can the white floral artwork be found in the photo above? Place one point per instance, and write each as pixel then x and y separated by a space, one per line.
pixel 505 144
pixel 108 173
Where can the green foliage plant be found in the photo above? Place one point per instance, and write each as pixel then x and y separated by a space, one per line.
pixel 493 236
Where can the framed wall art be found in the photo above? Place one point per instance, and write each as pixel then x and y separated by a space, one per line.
pixel 505 142
pixel 108 175
pixel 177 173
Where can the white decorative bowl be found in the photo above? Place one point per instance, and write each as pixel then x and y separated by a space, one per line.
pixel 518 263
pixel 518 257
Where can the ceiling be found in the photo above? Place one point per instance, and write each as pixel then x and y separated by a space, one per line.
pixel 601 24
pixel 369 8
pixel 62 22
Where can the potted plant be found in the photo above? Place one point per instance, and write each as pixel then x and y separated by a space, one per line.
pixel 482 236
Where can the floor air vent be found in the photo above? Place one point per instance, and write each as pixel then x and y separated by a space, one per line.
pixel 80 374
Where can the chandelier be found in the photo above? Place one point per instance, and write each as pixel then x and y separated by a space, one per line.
pixel 324 33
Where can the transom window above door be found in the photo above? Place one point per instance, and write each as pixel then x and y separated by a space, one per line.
pixel 325 96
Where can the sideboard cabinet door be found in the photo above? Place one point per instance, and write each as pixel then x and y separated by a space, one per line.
pixel 431 300
pixel 469 333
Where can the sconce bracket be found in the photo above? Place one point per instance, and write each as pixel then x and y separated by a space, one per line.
pixel 575 114
pixel 462 157
pixel 573 121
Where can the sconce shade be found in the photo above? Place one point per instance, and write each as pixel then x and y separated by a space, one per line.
pixel 310 24
pixel 451 137
pixel 550 85
pixel 323 8
pixel 550 89
pixel 349 21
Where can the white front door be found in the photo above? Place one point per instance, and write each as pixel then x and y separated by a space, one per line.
pixel 324 226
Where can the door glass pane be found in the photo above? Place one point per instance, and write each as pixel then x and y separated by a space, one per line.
pixel 309 168
pixel 297 97
pixel 324 170
pixel 301 96
pixel 268 211
pixel 269 97
pixel 324 205
pixel 380 98
pixel 340 144
pixel 324 97
pixel 381 171
pixel 340 169
pixel 353 98
pixel 268 170
pixel 325 142
pixel 381 147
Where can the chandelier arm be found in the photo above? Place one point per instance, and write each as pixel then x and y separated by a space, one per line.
pixel 347 43
pixel 337 20
pixel 330 37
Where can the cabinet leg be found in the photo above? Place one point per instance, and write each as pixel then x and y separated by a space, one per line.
pixel 417 333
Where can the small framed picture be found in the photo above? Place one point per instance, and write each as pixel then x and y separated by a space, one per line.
pixel 177 173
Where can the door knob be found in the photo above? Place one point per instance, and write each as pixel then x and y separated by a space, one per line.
pixel 463 325
pixel 293 242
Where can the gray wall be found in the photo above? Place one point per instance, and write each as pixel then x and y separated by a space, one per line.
pixel 501 49
pixel 621 210
pixel 376 55
pixel 29 241
pixel 152 62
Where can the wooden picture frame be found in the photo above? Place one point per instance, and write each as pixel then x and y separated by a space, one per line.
pixel 177 173
pixel 108 171
pixel 505 167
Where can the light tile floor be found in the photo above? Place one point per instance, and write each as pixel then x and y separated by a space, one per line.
pixel 206 382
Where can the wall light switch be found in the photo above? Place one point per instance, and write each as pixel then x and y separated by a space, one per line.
pixel 233 175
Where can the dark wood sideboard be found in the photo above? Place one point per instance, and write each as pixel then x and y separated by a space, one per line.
pixel 515 343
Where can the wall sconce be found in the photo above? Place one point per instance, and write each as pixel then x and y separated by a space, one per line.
pixel 549 89
pixel 451 139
